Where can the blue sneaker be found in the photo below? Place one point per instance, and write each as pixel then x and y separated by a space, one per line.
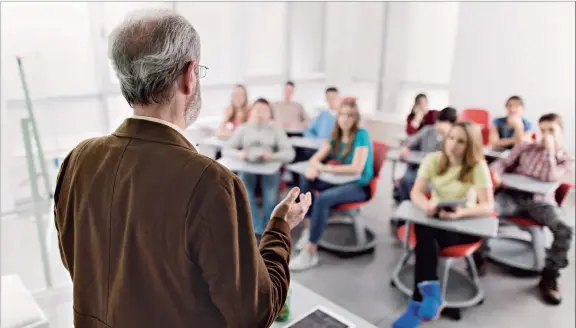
pixel 432 302
pixel 409 319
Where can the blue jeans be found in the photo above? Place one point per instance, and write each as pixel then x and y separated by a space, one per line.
pixel 330 195
pixel 406 183
pixel 270 185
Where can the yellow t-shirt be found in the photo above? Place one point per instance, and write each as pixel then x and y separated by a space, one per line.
pixel 447 186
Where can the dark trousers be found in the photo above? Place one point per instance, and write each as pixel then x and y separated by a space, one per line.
pixel 429 242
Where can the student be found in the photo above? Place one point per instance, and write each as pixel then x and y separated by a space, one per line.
pixel 458 172
pixel 260 138
pixel 419 116
pixel 236 113
pixel 321 127
pixel 352 148
pixel 428 139
pixel 513 129
pixel 547 161
pixel 288 113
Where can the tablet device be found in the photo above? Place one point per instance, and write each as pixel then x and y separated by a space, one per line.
pixel 320 317
pixel 448 205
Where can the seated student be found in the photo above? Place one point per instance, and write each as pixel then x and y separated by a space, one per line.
pixel 547 161
pixel 235 114
pixel 458 172
pixel 261 140
pixel 288 113
pixel 322 125
pixel 419 116
pixel 352 148
pixel 428 139
pixel 513 129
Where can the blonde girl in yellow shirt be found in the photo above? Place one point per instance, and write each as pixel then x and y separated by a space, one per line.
pixel 457 172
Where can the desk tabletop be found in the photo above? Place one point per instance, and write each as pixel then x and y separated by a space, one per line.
pixel 294 130
pixel 524 183
pixel 310 143
pixel 414 157
pixel 496 153
pixel 337 179
pixel 214 141
pixel 238 165
pixel 304 300
pixel 481 226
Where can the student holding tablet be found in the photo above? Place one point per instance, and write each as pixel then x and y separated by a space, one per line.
pixel 351 147
pixel 457 172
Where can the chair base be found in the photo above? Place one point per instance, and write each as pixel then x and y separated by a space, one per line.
pixel 516 254
pixel 340 239
pixel 461 291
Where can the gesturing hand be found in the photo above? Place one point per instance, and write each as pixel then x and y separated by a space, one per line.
pixel 293 212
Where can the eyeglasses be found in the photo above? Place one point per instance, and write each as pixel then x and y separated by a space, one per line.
pixel 202 71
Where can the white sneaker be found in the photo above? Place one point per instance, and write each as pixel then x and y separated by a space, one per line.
pixel 303 240
pixel 303 261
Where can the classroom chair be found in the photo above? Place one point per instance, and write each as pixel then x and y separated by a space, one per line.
pixel 476 115
pixel 524 254
pixel 363 239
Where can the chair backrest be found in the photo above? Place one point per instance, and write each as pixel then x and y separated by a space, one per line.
pixel 380 151
pixel 562 191
pixel 476 115
pixel 345 99
pixel 485 136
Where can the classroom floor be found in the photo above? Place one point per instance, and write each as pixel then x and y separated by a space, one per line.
pixel 360 285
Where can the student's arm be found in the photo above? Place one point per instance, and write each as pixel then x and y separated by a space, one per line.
pixel 360 155
pixel 425 173
pixel 410 129
pixel 554 167
pixel 247 284
pixel 485 193
pixel 234 145
pixel 304 119
pixel 312 130
pixel 502 165
pixel 321 154
pixel 285 151
pixel 415 141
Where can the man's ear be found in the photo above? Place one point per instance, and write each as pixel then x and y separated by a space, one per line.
pixel 189 79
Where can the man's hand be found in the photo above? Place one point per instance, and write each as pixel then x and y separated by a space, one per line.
pixel 291 211
pixel 243 155
pixel 311 173
pixel 266 156
pixel 431 208
pixel 549 142
pixel 403 152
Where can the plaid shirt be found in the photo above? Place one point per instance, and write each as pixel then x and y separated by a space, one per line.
pixel 536 161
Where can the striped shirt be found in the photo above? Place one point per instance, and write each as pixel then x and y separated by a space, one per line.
pixel 536 161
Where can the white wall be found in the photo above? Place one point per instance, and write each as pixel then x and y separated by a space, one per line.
pixel 524 48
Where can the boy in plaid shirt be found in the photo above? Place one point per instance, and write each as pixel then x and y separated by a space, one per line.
pixel 546 161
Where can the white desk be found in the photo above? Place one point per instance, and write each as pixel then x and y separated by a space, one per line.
pixel 294 130
pixel 237 165
pixel 337 179
pixel 481 226
pixel 304 300
pixel 524 183
pixel 310 143
pixel 214 141
pixel 496 153
pixel 413 157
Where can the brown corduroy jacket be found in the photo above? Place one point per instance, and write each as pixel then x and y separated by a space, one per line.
pixel 156 235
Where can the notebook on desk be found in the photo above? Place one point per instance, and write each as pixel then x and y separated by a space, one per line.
pixel 320 317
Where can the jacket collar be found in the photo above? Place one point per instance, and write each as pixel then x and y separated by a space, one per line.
pixel 152 131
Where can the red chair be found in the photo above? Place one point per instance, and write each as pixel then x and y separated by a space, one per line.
pixel 364 239
pixel 526 255
pixel 476 115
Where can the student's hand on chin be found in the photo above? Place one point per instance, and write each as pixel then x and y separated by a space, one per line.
pixel 549 142
pixel 291 211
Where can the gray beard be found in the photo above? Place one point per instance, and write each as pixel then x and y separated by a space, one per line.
pixel 193 111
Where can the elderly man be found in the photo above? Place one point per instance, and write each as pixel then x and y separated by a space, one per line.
pixel 153 233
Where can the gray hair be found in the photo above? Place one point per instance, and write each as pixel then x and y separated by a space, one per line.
pixel 148 51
